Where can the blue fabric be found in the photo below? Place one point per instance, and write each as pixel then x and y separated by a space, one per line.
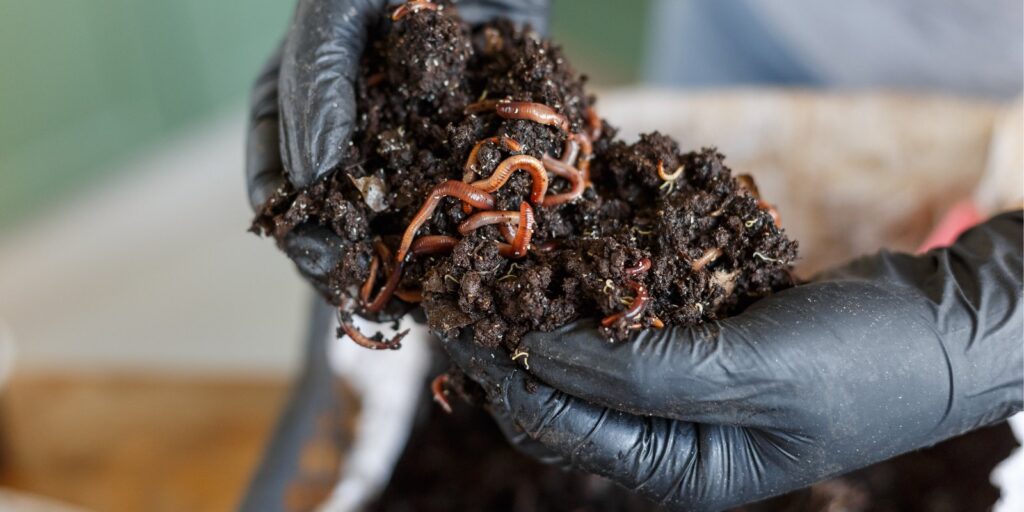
pixel 951 46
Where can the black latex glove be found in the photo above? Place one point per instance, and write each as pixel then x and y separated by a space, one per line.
pixel 886 355
pixel 303 106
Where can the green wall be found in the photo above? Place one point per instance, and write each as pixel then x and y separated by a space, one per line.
pixel 84 83
pixel 603 38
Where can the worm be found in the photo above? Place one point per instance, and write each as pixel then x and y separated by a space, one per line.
pixel 521 244
pixel 563 170
pixel 374 79
pixel 384 253
pixel 437 388
pixel 482 219
pixel 451 188
pixel 508 142
pixel 364 341
pixel 536 112
pixel 709 256
pixel 510 165
pixel 746 181
pixel 570 151
pixel 586 152
pixel 482 106
pixel 367 288
pixel 593 124
pixel 635 309
pixel 762 204
pixel 411 296
pixel 412 6
pixel 433 244
pixel 385 293
pixel 668 177
pixel 508 231
pixel 549 245
pixel 641 266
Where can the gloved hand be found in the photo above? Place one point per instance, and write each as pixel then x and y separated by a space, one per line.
pixel 888 354
pixel 303 105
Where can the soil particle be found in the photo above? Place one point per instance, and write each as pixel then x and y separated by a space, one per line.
pixel 461 461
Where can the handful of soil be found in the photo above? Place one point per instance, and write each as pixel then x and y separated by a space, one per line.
pixel 481 184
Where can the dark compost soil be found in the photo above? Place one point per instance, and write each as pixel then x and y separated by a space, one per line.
pixel 463 462
pixel 657 236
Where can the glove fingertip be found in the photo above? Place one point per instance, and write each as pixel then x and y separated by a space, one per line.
pixel 263 167
pixel 486 366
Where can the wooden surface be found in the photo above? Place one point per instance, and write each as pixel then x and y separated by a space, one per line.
pixel 131 443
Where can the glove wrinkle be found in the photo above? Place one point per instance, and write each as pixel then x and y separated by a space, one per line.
pixel 263 99
pixel 316 251
pixel 317 95
pixel 263 170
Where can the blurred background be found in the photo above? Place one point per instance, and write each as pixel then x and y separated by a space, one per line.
pixel 147 341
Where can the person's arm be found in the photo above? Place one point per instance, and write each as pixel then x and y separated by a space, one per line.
pixel 303 106
pixel 888 354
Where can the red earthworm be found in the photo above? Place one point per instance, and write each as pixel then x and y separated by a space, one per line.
pixel 384 253
pixel 536 112
pixel 521 244
pixel 593 124
pixel 586 151
pixel 482 219
pixel 549 245
pixel 641 266
pixel 709 256
pixel 764 205
pixel 512 164
pixel 385 293
pixel 568 172
pixel 411 296
pixel 412 6
pixel 451 188
pixel 364 341
pixel 508 142
pixel 570 151
pixel 437 388
pixel 560 168
pixel 374 79
pixel 508 231
pixel 635 309
pixel 433 244
pixel 367 288
pixel 746 181
pixel 482 106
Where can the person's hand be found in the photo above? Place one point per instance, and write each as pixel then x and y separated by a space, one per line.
pixel 303 106
pixel 888 354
